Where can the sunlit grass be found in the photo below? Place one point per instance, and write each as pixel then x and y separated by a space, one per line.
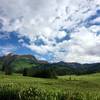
pixel 85 87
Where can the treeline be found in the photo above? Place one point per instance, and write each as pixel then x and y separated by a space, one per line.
pixel 40 72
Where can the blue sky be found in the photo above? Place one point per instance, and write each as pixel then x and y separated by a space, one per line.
pixel 52 30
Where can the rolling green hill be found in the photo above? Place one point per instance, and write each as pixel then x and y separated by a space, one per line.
pixel 21 63
pixel 18 62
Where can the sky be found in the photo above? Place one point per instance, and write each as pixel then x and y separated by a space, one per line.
pixel 52 30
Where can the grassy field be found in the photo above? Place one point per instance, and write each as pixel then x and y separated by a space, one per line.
pixel 17 87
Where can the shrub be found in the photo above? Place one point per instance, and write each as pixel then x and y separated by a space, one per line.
pixel 25 72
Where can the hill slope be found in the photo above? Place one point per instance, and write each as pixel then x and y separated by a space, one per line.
pixel 18 62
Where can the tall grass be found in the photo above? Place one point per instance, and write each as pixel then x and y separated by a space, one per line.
pixel 16 87
pixel 13 92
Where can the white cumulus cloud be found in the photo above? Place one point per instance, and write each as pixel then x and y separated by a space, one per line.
pixel 50 20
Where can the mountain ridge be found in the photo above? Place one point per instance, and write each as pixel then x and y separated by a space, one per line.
pixel 20 62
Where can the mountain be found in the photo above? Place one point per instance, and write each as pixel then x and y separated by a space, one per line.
pixel 19 62
pixel 63 68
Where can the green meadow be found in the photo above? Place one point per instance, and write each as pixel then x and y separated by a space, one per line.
pixel 18 87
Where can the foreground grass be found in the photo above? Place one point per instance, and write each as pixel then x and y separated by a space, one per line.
pixel 17 87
